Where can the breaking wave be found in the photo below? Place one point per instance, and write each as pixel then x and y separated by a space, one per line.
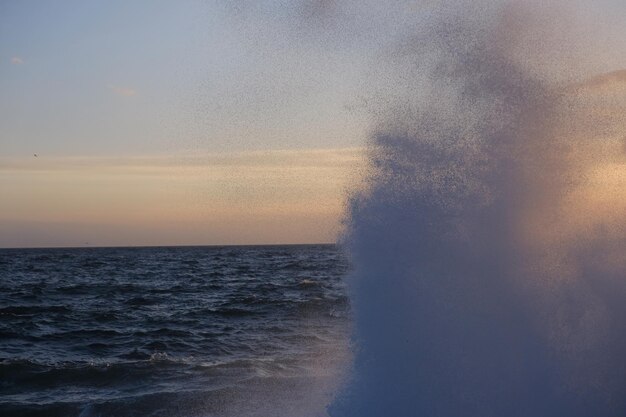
pixel 488 242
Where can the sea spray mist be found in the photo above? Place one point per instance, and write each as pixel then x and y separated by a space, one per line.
pixel 485 283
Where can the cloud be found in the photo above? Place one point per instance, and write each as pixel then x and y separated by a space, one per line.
pixel 16 60
pixel 319 9
pixel 123 91
pixel 314 159
pixel 605 82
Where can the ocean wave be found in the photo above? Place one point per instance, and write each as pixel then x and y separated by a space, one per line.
pixel 31 310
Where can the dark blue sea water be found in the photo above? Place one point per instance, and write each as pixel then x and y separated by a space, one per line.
pixel 179 331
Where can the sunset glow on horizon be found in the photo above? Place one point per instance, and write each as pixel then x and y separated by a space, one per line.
pixel 267 197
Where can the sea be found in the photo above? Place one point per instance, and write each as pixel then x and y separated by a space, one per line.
pixel 172 331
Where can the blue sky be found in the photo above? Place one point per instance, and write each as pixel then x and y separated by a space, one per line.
pixel 143 77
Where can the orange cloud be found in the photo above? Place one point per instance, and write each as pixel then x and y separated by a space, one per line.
pixel 605 82
pixel 123 91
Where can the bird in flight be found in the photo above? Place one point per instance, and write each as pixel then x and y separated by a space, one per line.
pixel 35 155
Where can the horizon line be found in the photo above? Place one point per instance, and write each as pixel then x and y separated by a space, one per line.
pixel 169 246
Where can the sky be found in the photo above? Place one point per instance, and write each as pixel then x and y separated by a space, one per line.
pixel 161 122
pixel 200 122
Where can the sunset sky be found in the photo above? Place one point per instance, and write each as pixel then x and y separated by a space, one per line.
pixel 172 123
pixel 217 122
